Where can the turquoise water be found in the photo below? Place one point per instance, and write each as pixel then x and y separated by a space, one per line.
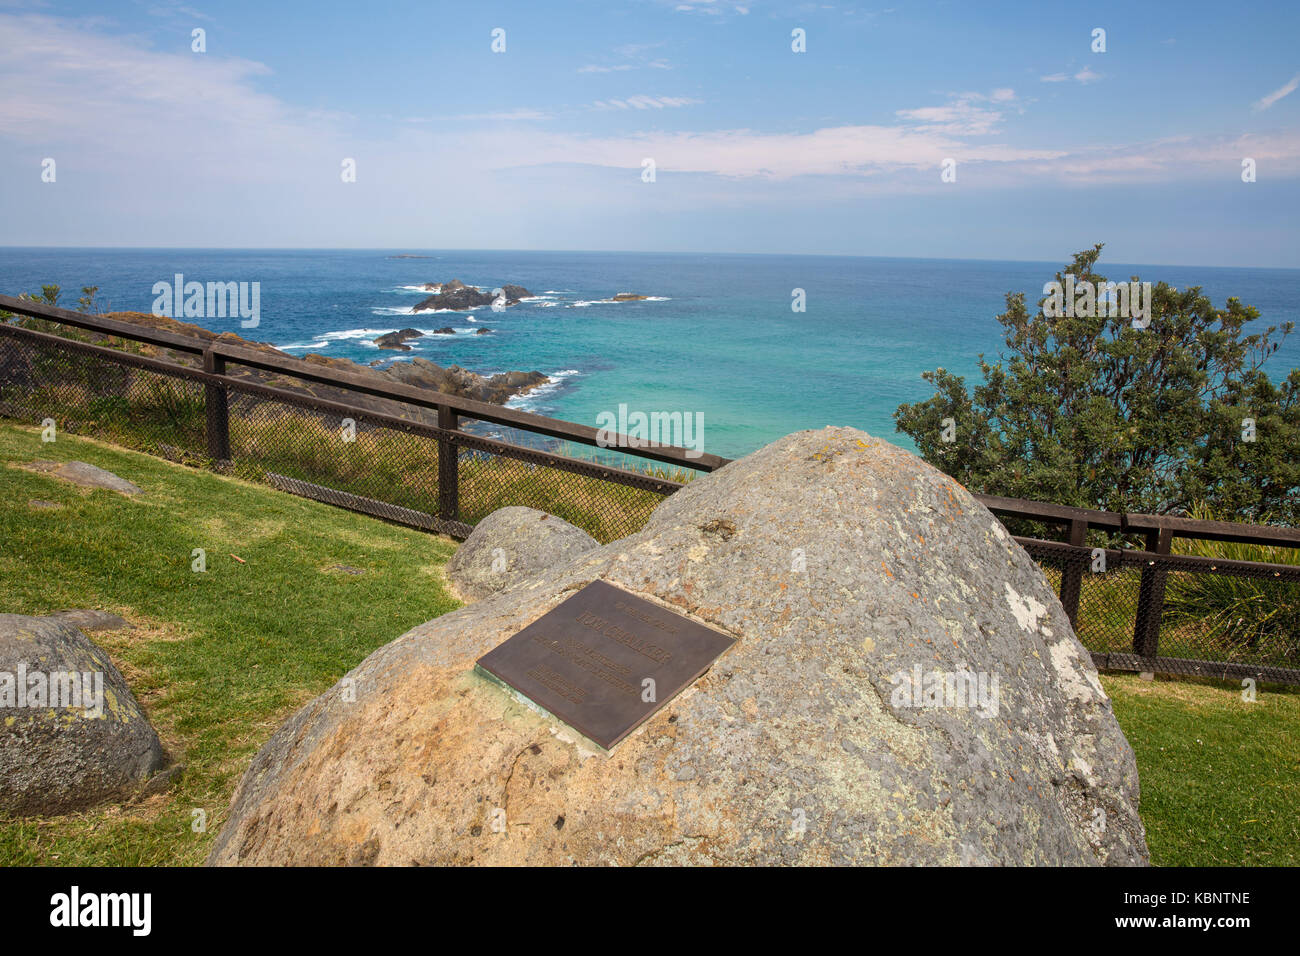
pixel 719 338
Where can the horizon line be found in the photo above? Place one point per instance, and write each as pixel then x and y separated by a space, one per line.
pixel 609 252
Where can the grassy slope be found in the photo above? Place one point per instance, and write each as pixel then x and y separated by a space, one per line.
pixel 1220 776
pixel 218 659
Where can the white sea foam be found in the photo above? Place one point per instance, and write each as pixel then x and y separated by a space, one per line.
pixel 583 303
pixel 528 401
pixel 410 310
pixel 431 333
pixel 324 339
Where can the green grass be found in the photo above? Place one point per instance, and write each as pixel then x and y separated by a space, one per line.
pixel 218 659
pixel 1220 776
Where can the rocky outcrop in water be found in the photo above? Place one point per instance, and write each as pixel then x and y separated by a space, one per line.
pixel 458 296
pixel 397 340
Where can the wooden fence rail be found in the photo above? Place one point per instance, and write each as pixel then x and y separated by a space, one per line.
pixel 1157 532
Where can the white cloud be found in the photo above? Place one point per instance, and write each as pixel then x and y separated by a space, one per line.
pixel 503 115
pixel 642 102
pixel 181 141
pixel 963 114
pixel 1086 75
pixel 713 7
pixel 1285 90
pixel 635 55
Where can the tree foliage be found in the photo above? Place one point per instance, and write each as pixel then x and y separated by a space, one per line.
pixel 1094 412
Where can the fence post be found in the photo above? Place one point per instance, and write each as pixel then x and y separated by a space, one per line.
pixel 218 410
pixel 448 472
pixel 1151 597
pixel 1072 573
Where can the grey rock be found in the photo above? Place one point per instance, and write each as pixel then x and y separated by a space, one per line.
pixel 841 564
pixel 40 504
pixel 512 545
pixel 58 759
pixel 86 475
pixel 397 340
pixel 89 619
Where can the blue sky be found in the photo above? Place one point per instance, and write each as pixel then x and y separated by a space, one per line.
pixel 756 148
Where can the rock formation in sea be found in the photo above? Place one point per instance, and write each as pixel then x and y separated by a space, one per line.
pixel 458 296
pixel 397 340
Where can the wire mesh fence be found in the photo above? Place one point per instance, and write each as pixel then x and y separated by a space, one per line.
pixel 1180 614
pixel 405 471
pixel 125 402
pixel 1183 613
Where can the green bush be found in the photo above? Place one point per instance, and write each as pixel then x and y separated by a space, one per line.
pixel 1259 617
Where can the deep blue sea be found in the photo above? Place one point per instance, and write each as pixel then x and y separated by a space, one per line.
pixel 718 337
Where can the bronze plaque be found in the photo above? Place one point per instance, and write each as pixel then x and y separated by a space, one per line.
pixel 604 660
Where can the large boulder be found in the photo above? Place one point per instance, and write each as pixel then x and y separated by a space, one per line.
pixel 857 581
pixel 73 734
pixel 511 545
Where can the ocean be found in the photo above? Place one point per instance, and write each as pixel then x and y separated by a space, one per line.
pixel 717 337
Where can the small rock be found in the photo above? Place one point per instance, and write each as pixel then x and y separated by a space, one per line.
pixel 41 505
pixel 511 545
pixel 346 569
pixel 74 735
pixel 88 619
pixel 86 475
pixel 397 340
